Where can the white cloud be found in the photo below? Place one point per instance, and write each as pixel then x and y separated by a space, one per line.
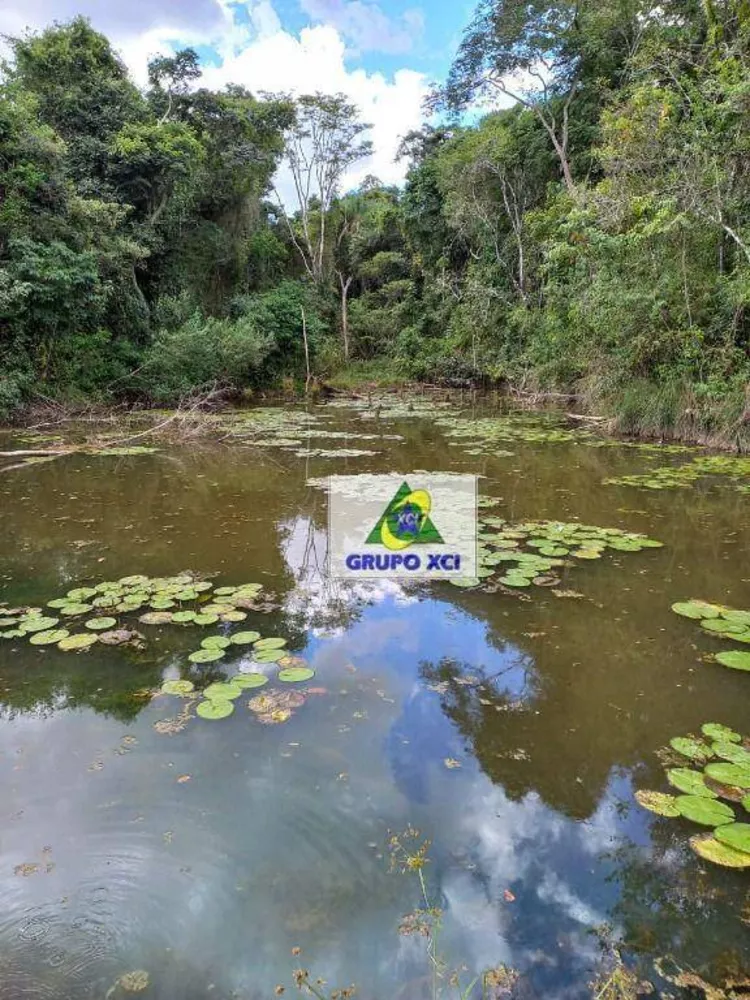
pixel 256 51
pixel 366 26
pixel 314 60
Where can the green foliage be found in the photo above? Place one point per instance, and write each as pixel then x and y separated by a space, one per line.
pixel 591 239
pixel 203 353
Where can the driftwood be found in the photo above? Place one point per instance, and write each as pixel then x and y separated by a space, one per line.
pixel 54 453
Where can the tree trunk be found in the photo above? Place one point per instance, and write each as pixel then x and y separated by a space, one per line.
pixel 345 286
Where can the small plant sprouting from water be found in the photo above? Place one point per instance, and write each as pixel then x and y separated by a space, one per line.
pixel 409 855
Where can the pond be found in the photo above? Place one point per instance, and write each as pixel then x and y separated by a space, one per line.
pixel 509 726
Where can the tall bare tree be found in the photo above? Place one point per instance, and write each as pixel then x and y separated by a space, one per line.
pixel 325 140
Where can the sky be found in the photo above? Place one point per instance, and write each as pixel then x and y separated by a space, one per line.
pixel 383 54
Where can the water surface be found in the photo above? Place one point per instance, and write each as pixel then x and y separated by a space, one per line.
pixel 553 708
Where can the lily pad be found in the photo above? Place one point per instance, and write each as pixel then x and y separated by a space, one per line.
pixel 658 802
pixel 729 774
pixel 733 753
pixel 295 675
pixel 715 731
pixel 272 643
pixel 689 782
pixel 38 624
pixel 736 835
pixel 214 709
pixel 269 655
pixel 206 655
pixel 157 618
pixel 216 642
pixel 707 812
pixel 183 617
pixel 72 610
pixel 77 642
pixel 735 659
pixel 226 691
pixel 49 638
pixel 205 619
pixel 177 687
pixel 697 610
pixel 249 680
pixel 244 638
pixel 709 848
pixel 100 624
pixel 693 749
pixel 80 594
pixel 233 616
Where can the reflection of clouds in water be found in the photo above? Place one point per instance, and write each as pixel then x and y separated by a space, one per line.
pixel 321 603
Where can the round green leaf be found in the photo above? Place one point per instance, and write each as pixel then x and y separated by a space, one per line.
pixel 709 848
pixel 736 835
pixel 269 655
pixel 214 709
pixel 38 624
pixel 76 642
pixel 249 680
pixel 693 749
pixel 698 610
pixel 206 655
pixel 71 610
pixel 100 624
pixel 295 675
pixel 222 691
pixel 177 687
pixel 183 617
pixel 729 774
pixel 133 581
pixel 272 643
pixel 233 616
pixel 658 802
pixel 715 731
pixel 205 619
pixel 80 594
pixel 707 812
pixel 689 782
pixel 735 659
pixel 733 753
pixel 245 638
pixel 215 642
pixel 49 638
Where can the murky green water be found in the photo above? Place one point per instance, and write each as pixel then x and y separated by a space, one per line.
pixel 553 707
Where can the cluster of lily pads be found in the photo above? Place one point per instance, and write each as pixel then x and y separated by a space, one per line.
pixel 723 623
pixel 98 610
pixel 734 468
pixel 272 427
pixel 217 700
pixel 531 552
pixel 719 775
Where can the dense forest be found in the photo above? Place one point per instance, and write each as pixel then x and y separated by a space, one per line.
pixel 592 240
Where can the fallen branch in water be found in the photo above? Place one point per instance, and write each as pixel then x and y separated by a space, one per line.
pixel 53 452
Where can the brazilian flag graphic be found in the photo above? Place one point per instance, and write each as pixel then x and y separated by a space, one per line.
pixel 406 521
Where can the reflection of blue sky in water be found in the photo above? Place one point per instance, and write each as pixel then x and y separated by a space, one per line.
pixel 277 839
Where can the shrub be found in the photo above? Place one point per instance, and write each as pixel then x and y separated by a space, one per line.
pixel 204 352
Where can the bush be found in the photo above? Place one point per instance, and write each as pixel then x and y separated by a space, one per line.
pixel 201 353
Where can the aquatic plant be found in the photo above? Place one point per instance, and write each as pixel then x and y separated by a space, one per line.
pixel 711 794
pixel 722 623
pixel 518 555
pixel 735 469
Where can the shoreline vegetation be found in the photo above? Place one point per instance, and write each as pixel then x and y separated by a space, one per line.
pixel 587 247
pixel 199 416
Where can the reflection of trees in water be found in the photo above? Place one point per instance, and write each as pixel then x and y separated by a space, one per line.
pixel 672 907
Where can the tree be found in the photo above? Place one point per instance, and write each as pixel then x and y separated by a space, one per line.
pixel 324 141
pixel 543 54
